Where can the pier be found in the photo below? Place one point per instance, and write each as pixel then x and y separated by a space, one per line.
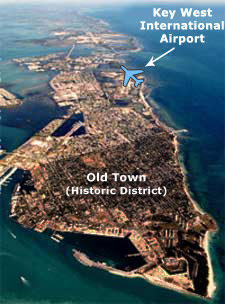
pixel 5 178
pixel 179 131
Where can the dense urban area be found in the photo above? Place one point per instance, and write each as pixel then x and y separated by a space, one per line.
pixel 108 128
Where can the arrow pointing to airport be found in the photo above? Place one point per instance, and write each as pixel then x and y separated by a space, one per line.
pixel 152 60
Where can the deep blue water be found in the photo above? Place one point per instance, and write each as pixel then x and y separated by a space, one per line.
pixel 68 125
pixel 80 131
pixel 189 94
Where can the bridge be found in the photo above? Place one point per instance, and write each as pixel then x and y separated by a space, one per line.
pixel 70 51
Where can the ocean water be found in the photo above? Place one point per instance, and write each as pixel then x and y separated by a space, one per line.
pixel 189 94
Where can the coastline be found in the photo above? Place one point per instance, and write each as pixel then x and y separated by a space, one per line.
pixel 212 285
pixel 34 256
pixel 153 280
pixel 149 278
pixel 86 261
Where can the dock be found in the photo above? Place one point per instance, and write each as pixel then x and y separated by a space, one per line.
pixel 5 178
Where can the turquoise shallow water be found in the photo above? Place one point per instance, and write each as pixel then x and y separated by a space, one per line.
pixel 188 97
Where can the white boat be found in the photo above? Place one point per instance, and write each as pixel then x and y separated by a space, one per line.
pixel 24 280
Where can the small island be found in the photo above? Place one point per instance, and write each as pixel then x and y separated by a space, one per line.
pixel 8 100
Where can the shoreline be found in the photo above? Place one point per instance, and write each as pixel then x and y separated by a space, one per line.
pixel 149 278
pixel 211 285
pixel 87 262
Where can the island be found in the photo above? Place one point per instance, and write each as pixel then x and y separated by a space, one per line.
pixel 8 100
pixel 110 128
